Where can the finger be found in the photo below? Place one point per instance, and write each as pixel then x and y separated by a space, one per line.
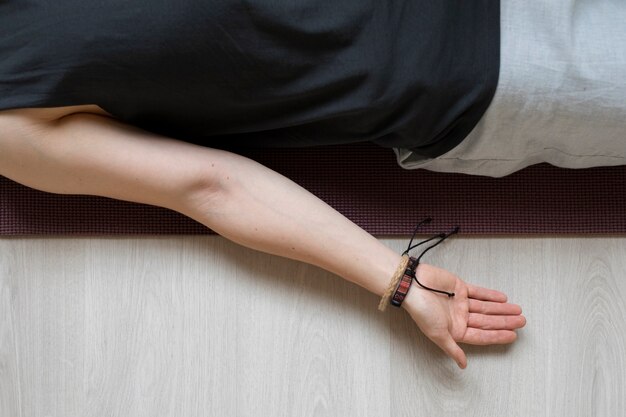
pixel 485 294
pixel 449 346
pixel 488 322
pixel 487 307
pixel 488 337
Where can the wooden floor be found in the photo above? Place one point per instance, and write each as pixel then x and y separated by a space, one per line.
pixel 198 326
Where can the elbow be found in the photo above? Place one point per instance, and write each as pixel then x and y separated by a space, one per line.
pixel 206 194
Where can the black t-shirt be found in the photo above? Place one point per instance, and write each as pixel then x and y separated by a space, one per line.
pixel 415 74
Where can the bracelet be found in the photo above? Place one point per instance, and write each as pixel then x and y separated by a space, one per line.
pixel 382 305
pixel 405 283
pixel 405 274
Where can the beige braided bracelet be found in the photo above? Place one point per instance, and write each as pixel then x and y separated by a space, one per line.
pixel 397 276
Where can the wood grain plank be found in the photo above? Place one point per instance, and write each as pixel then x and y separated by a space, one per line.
pixel 10 387
pixel 179 326
pixel 47 318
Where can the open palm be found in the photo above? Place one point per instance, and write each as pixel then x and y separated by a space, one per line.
pixel 475 315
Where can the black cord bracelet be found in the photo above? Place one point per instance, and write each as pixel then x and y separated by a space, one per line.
pixel 413 265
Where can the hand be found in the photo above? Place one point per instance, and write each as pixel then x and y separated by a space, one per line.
pixel 475 315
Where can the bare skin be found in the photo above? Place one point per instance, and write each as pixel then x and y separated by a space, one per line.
pixel 85 150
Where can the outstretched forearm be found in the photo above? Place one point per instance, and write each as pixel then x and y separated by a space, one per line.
pixel 233 195
pixel 261 209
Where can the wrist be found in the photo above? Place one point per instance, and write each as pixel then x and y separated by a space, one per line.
pixel 394 284
pixel 410 299
pixel 401 284
pixel 387 269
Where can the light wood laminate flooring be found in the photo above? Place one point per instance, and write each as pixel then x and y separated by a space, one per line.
pixel 199 326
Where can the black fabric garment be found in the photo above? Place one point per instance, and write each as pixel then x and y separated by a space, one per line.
pixel 415 74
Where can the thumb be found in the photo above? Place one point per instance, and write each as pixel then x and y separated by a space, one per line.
pixel 449 346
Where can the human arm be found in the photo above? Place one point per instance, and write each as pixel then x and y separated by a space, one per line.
pixel 233 195
pixel 238 198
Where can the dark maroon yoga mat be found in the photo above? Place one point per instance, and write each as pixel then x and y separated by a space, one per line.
pixel 365 184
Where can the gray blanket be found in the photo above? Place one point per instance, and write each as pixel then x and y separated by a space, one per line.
pixel 561 96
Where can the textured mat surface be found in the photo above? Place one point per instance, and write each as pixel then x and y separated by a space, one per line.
pixel 365 184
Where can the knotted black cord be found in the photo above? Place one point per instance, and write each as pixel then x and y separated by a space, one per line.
pixel 442 237
pixel 409 247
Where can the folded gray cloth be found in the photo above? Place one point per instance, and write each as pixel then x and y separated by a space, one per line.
pixel 561 96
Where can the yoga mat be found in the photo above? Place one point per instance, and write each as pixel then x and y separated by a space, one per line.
pixel 364 183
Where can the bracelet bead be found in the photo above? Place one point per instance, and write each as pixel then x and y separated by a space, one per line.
pixel 405 283
pixel 382 305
